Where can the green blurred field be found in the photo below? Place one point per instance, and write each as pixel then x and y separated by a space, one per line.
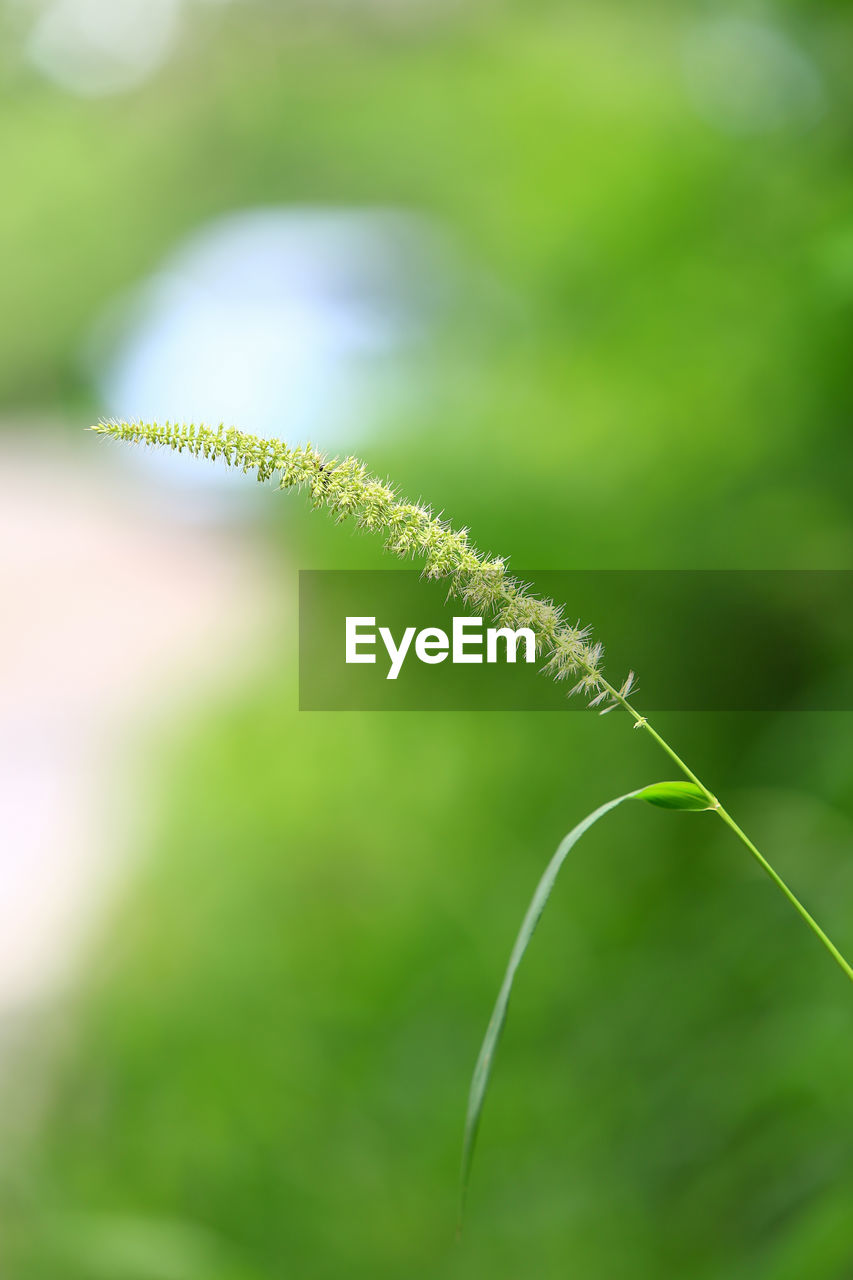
pixel 265 1073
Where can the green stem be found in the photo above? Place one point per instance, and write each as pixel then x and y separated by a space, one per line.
pixel 640 722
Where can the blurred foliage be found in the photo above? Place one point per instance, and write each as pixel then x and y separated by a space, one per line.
pixel 265 1073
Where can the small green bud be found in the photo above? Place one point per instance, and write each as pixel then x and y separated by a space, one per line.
pixel 677 795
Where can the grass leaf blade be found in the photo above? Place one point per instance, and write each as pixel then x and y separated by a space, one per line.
pixel 483 1069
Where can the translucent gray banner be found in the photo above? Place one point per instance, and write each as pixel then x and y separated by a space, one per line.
pixel 706 640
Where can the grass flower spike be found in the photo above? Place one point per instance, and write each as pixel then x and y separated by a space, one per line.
pixel 347 490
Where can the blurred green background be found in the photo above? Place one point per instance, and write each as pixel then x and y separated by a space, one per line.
pixel 261 1070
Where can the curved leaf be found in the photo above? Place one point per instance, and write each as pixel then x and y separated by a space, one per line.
pixel 483 1069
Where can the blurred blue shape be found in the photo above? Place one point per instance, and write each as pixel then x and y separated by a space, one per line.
pixel 283 322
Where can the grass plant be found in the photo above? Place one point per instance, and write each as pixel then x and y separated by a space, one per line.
pixel 346 489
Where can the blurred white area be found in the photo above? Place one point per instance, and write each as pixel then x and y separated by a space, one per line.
pixel 749 77
pixel 98 47
pixel 283 322
pixel 114 615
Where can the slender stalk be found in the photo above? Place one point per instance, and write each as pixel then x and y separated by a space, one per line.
pixel 789 894
pixel 640 722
